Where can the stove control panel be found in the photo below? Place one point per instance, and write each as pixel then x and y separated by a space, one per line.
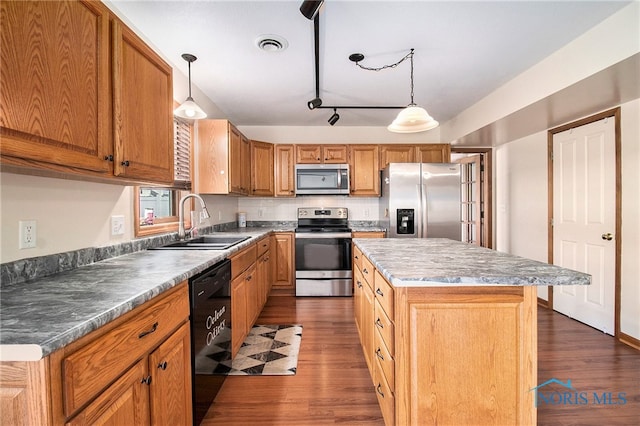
pixel 323 213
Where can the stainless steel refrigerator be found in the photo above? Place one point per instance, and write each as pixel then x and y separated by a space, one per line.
pixel 420 200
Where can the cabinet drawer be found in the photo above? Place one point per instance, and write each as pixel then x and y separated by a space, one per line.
pixel 242 260
pixel 368 271
pixel 263 246
pixel 357 257
pixel 386 399
pixel 384 359
pixel 384 293
pixel 92 368
pixel 385 327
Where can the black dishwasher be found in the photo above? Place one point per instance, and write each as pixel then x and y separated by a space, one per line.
pixel 210 300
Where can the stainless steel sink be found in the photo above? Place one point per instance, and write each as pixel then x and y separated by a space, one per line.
pixel 205 242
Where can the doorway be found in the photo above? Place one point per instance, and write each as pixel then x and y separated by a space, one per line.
pixel 476 207
pixel 585 217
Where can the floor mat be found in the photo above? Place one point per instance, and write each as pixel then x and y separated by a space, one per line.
pixel 268 350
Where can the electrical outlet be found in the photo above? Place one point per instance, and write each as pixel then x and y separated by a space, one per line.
pixel 27 234
pixel 117 225
pixel 366 212
pixel 219 215
pixel 260 212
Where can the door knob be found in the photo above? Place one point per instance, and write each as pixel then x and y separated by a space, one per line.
pixel 608 236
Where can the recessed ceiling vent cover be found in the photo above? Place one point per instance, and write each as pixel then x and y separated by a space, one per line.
pixel 271 43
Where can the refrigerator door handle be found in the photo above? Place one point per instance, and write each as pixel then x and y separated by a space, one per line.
pixel 423 211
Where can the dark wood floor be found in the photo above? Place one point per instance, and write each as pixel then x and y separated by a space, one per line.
pixel 332 384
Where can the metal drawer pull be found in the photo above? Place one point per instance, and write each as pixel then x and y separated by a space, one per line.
pixel 154 327
pixel 378 389
pixel 379 323
pixel 379 292
pixel 163 365
pixel 359 283
pixel 146 380
pixel 364 271
pixel 379 354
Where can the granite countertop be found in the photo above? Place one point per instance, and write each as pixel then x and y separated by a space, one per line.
pixel 421 262
pixel 39 316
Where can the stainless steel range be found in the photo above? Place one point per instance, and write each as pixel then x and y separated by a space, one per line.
pixel 323 252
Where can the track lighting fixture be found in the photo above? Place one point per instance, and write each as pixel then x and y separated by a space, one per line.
pixel 314 103
pixel 334 118
pixel 189 108
pixel 309 8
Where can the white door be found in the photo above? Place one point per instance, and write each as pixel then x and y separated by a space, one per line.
pixel 584 206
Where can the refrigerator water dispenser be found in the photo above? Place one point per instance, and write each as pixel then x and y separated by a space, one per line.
pixel 405 221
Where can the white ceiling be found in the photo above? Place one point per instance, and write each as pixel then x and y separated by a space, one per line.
pixel 463 51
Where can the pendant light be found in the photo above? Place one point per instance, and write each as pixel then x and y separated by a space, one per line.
pixel 412 119
pixel 189 108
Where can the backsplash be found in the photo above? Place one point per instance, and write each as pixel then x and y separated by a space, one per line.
pixel 278 209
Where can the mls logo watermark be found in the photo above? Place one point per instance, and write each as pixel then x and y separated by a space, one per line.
pixel 556 392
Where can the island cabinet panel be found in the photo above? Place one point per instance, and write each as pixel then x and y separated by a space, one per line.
pixel 24 398
pixel 55 98
pixel 471 347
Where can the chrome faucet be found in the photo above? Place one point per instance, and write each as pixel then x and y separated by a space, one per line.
pixel 181 232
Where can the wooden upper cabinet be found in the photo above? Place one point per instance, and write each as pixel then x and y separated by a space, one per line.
pixel 364 170
pixel 397 154
pixel 222 159
pixel 142 108
pixel 434 153
pixel 319 154
pixel 82 98
pixel 285 161
pixel 262 169
pixel 54 102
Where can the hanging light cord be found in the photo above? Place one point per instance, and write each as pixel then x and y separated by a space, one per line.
pixel 407 56
pixel 189 62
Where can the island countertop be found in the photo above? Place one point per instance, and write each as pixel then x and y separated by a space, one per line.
pixel 39 316
pixel 421 262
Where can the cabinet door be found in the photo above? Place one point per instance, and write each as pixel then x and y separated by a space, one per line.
pixel 212 157
pixel 124 402
pixel 284 171
pixel 235 161
pixel 245 165
pixel 238 312
pixel 170 388
pixel 263 275
pixel 261 169
pixel 434 153
pixel 396 154
pixel 142 109
pixel 367 316
pixel 54 102
pixel 308 154
pixel 365 173
pixel 253 296
pixel 334 154
pixel 283 267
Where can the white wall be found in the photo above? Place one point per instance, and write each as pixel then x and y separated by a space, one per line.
pixel 521 200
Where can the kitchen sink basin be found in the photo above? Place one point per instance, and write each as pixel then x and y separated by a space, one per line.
pixel 205 242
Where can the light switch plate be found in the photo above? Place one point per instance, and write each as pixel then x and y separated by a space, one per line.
pixel 117 225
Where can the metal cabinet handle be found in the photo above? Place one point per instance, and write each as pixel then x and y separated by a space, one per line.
pixel 359 283
pixel 162 365
pixel 108 157
pixel 379 323
pixel 378 389
pixel 379 292
pixel 125 163
pixel 364 271
pixel 146 380
pixel 379 354
pixel 153 328
pixel 249 277
pixel 608 236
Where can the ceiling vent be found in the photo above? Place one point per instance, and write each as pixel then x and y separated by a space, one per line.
pixel 271 43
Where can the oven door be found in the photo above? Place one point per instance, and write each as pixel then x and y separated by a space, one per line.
pixel 323 264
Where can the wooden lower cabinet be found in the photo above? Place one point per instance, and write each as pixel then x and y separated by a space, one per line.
pixel 133 370
pixel 451 355
pixel 283 247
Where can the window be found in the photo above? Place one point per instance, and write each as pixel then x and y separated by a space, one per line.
pixel 156 208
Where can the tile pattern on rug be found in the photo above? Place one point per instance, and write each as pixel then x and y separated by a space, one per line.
pixel 267 350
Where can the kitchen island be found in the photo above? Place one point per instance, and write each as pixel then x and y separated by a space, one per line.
pixel 449 329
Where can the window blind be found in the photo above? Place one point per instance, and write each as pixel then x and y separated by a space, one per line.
pixel 182 152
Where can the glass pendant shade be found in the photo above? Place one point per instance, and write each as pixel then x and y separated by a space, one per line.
pixel 189 109
pixel 412 119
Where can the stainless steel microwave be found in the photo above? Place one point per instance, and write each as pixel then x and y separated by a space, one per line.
pixel 322 179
